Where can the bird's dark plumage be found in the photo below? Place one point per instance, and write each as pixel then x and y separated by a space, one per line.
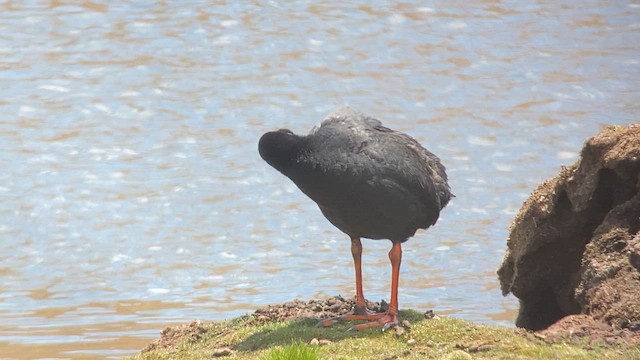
pixel 369 181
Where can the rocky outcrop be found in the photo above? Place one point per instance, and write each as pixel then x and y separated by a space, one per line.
pixel 574 246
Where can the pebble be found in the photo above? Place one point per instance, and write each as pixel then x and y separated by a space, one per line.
pixel 411 341
pixel 429 314
pixel 320 342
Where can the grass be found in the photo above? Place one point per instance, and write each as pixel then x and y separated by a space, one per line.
pixel 440 338
pixel 297 351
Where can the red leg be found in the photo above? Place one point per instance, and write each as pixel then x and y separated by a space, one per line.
pixel 356 252
pixel 395 255
pixel 390 318
pixel 386 320
pixel 360 311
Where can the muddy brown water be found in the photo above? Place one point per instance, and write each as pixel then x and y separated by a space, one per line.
pixel 133 197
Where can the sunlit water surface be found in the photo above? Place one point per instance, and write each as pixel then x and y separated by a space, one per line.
pixel 133 196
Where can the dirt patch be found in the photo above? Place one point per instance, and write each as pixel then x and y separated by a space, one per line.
pixel 573 248
pixel 317 309
pixel 578 328
pixel 171 336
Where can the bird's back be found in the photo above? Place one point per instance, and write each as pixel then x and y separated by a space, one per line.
pixel 368 180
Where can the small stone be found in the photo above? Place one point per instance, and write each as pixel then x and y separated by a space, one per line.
pixel 411 341
pixel 406 324
pixel 220 352
pixel 399 331
pixel 323 342
pixel 429 314
pixel 314 342
pixel 540 336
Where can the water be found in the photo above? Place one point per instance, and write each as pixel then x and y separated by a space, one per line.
pixel 133 196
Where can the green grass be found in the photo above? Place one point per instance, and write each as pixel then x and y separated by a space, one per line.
pixel 297 351
pixel 440 338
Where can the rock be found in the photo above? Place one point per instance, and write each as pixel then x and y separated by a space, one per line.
pixel 411 341
pixel 406 324
pixel 323 342
pixel 314 342
pixel 429 314
pixel 573 248
pixel 399 331
pixel 384 306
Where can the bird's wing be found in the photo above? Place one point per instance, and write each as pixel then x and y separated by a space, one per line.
pixel 403 161
pixel 352 141
pixel 350 148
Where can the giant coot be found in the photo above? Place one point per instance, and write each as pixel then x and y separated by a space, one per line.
pixel 370 182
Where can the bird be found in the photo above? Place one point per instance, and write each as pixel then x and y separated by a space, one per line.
pixel 370 182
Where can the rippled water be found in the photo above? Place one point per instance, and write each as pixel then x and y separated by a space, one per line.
pixel 133 197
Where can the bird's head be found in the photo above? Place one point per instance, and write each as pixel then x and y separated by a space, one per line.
pixel 280 148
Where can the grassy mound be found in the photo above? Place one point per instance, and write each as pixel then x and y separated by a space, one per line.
pixel 436 338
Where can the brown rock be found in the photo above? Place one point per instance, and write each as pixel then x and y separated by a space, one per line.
pixel 429 314
pixel 573 247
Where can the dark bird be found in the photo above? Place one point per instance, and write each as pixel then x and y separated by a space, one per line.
pixel 370 182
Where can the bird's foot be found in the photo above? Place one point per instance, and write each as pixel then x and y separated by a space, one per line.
pixel 385 320
pixel 359 313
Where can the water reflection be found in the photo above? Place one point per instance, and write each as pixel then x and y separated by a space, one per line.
pixel 133 196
